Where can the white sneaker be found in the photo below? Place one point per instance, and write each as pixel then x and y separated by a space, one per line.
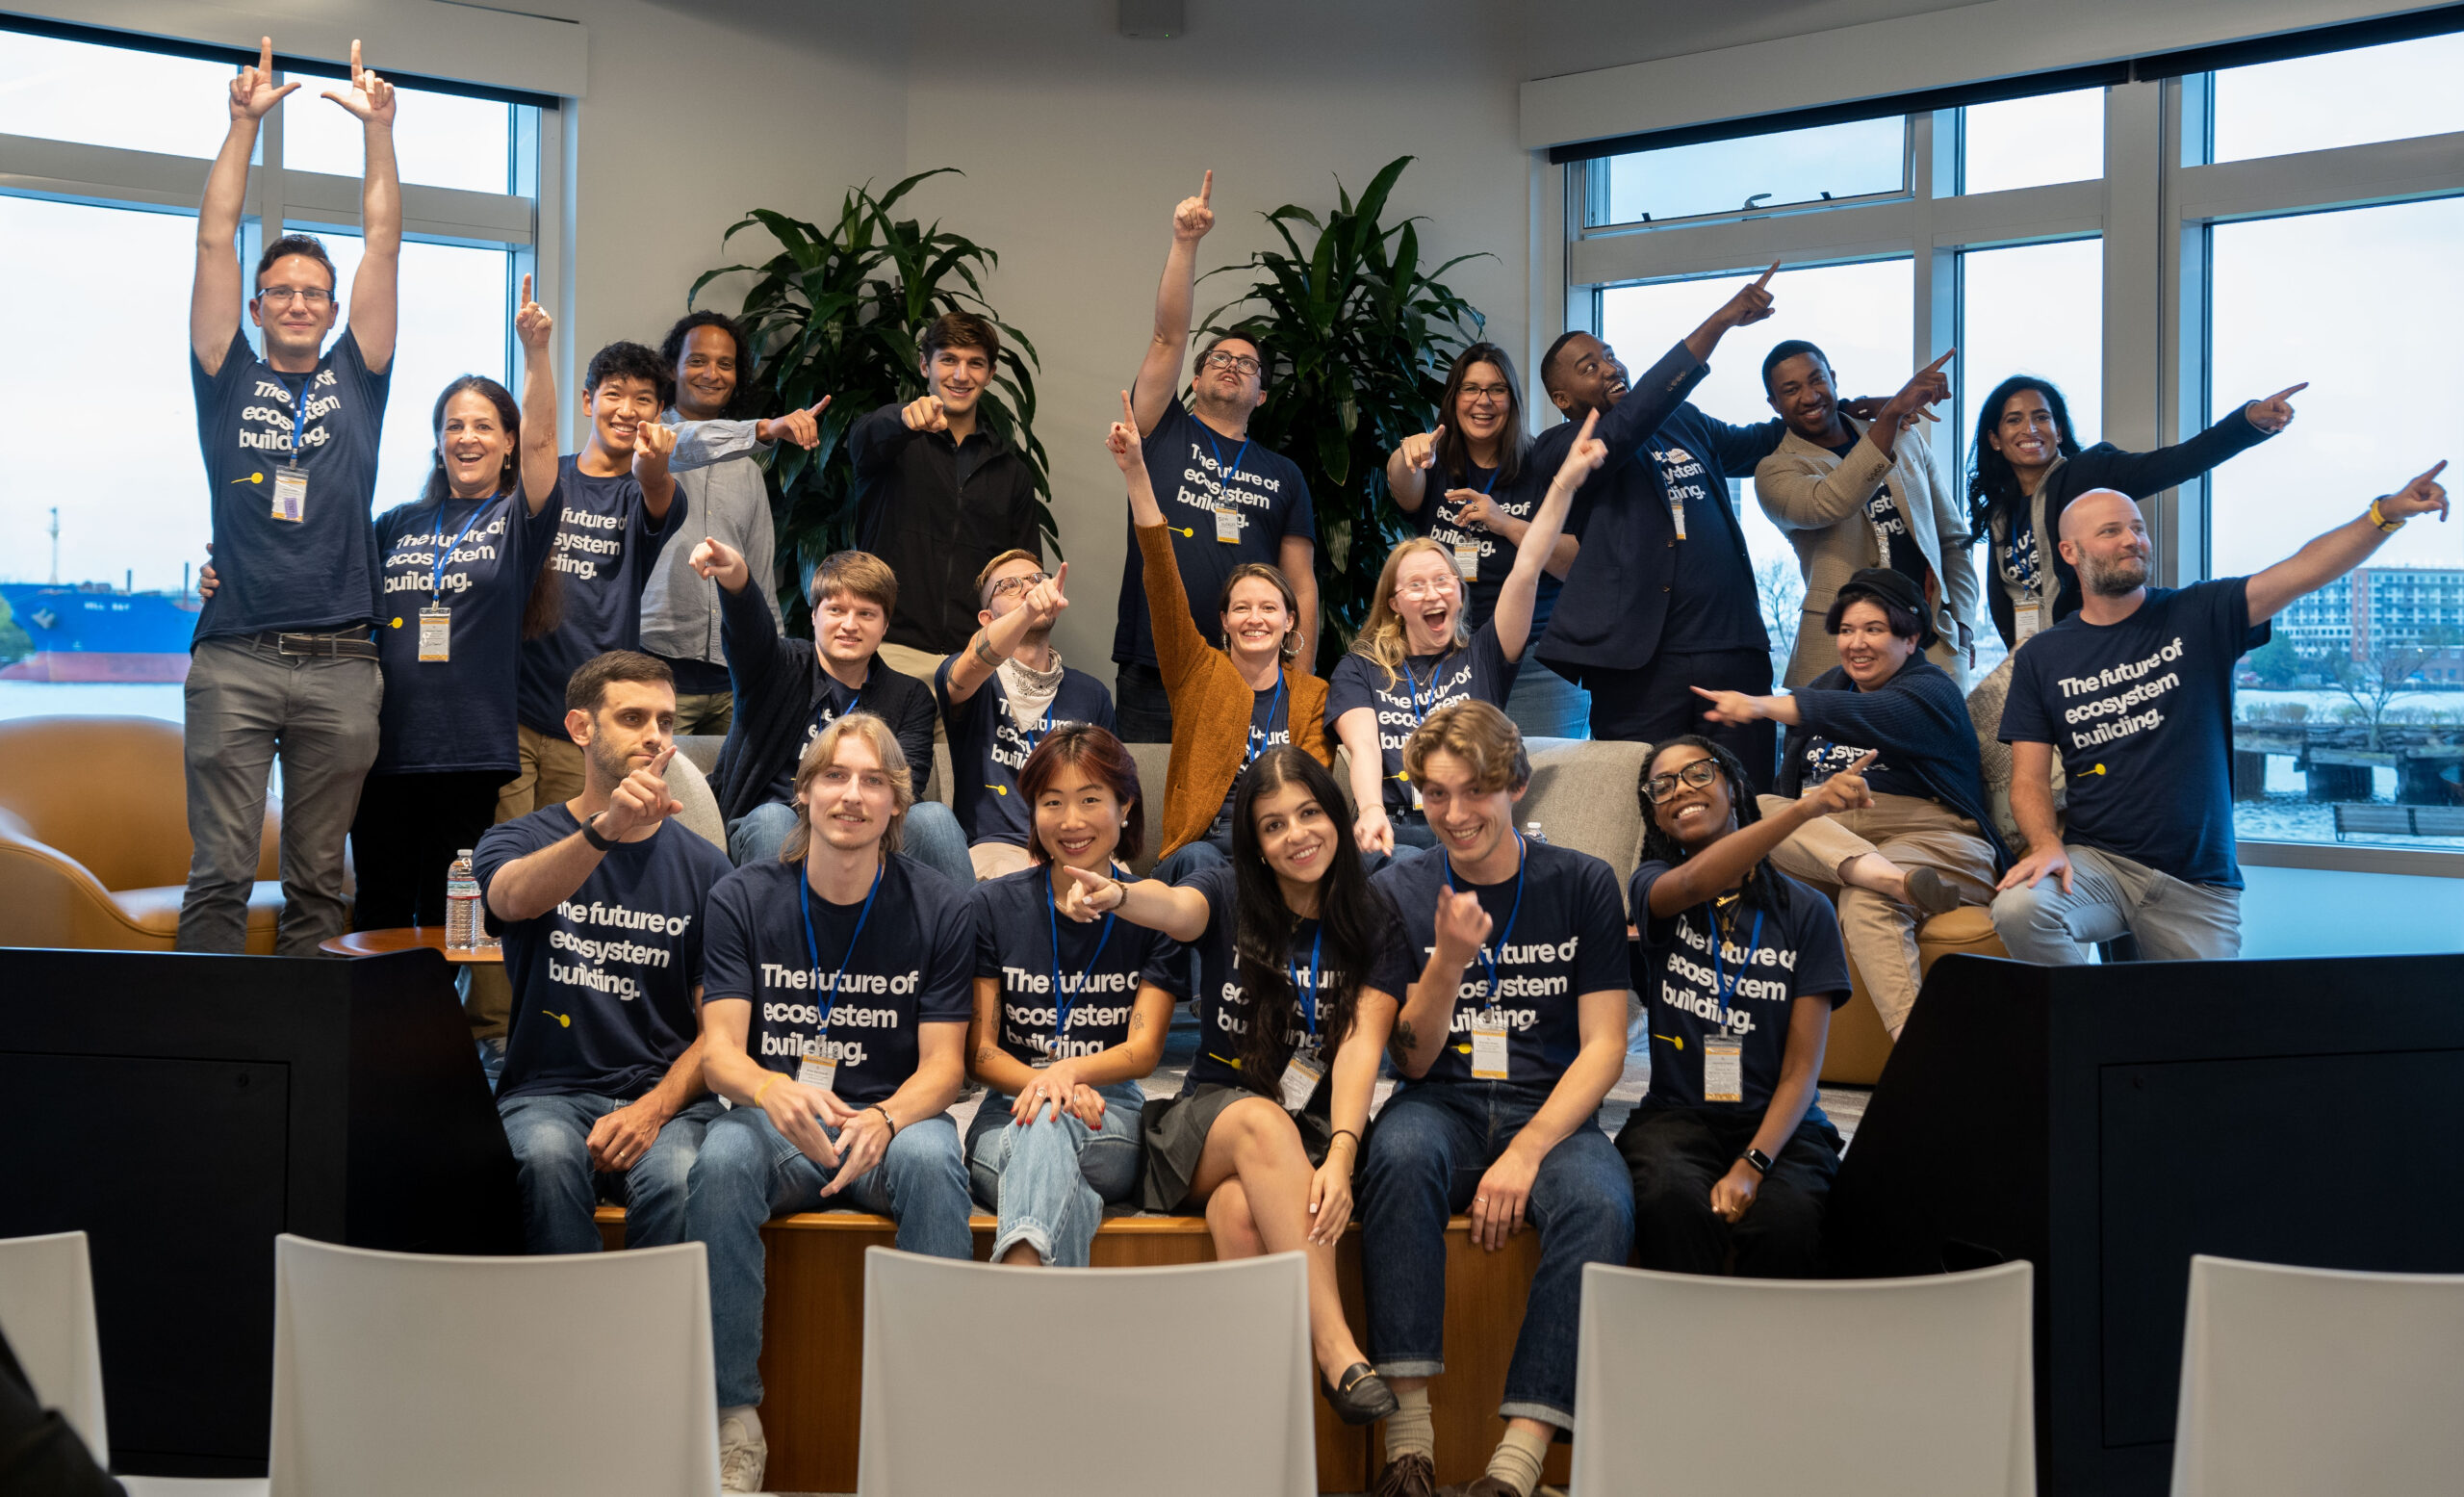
pixel 743 1454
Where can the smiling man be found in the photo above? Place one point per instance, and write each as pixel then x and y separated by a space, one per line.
pixel 600 901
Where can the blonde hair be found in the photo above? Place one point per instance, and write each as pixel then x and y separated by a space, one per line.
pixel 1383 639
pixel 1479 734
pixel 817 758
pixel 983 578
pixel 859 574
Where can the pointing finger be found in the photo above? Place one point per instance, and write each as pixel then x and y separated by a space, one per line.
pixel 1589 420
pixel 1937 366
pixel 356 69
pixel 1765 282
pixel 1206 188
pixel 818 406
pixel 1128 413
pixel 1061 576
pixel 1866 763
pixel 526 287
pixel 659 765
pixel 2288 391
pixel 264 57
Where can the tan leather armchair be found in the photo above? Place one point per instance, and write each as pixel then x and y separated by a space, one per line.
pixel 94 836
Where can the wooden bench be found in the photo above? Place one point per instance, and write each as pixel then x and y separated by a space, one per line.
pixel 2371 821
pixel 812 1340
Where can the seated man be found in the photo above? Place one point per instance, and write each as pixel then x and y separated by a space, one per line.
pixel 1509 1040
pixel 1925 843
pixel 1851 495
pixel 1001 696
pixel 599 903
pixel 2135 692
pixel 788 691
pixel 841 982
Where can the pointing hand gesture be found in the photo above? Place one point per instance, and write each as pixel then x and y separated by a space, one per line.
pixel 802 427
pixel 1462 925
pixel 1751 303
pixel 925 414
pixel 642 800
pixel 2274 413
pixel 371 99
pixel 1045 601
pixel 1420 448
pixel 531 324
pixel 653 441
pixel 1846 790
pixel 1925 389
pixel 2419 497
pixel 1090 896
pixel 1585 456
pixel 252 91
pixel 1122 439
pixel 1193 217
pixel 721 563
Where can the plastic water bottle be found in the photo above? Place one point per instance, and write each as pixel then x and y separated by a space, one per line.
pixel 1531 832
pixel 461 904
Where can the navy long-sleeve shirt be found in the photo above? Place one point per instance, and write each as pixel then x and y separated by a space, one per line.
pixel 1916 722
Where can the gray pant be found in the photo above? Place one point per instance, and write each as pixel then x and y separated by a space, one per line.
pixel 2110 895
pixel 246 702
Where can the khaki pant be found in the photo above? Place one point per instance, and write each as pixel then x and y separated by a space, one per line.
pixel 1881 936
pixel 998 860
pixel 551 773
pixel 706 712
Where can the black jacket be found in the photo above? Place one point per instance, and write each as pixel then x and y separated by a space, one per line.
pixel 934 527
pixel 778 685
pixel 1918 717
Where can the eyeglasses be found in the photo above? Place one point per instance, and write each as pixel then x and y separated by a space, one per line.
pixel 1238 362
pixel 1486 394
pixel 1441 587
pixel 310 295
pixel 1698 774
pixel 1003 587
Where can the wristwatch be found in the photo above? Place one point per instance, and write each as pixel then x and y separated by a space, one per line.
pixel 590 834
pixel 1760 1161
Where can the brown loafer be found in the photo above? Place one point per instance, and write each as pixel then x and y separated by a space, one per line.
pixel 1360 1396
pixel 1406 1476
pixel 1930 893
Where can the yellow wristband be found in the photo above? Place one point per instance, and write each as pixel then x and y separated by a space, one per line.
pixel 764 1087
pixel 2378 518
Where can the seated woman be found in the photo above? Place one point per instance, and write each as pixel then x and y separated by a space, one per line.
pixel 1068 1016
pixel 1231 705
pixel 1927 843
pixel 1299 959
pixel 1418 651
pixel 1739 969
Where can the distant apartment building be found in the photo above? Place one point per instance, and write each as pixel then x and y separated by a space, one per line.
pixel 2375 606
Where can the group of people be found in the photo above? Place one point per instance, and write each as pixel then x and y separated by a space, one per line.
pixel 716 1035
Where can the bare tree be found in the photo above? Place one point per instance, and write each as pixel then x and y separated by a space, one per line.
pixel 2374 683
pixel 1782 595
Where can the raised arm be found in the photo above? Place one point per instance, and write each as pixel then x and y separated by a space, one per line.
pixel 1427 1017
pixel 1407 467
pixel 2345 547
pixel 971 668
pixel 1159 374
pixel 375 291
pixel 536 330
pixel 1716 868
pixel 1522 588
pixel 1750 305
pixel 536 883
pixel 2141 474
pixel 1125 441
pixel 215 299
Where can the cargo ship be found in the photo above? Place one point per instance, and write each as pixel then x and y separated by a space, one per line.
pixel 96 632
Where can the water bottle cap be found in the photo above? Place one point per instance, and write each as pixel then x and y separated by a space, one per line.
pixel 466 852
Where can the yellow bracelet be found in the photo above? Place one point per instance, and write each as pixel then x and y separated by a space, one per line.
pixel 2378 518
pixel 764 1087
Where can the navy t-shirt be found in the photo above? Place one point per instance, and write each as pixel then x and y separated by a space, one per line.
pixel 317 572
pixel 987 748
pixel 602 983
pixel 1479 671
pixel 455 713
pixel 1568 939
pixel 605 550
pixel 832 700
pixel 1224 1002
pixel 913 964
pixel 1437 520
pixel 1712 603
pixel 1194 469
pixel 2141 714
pixel 1753 985
pixel 1100 969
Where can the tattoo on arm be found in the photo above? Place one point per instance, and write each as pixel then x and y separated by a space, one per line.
pixel 1403 1039
pixel 985 652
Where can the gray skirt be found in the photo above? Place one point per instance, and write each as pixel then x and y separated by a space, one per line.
pixel 1175 1130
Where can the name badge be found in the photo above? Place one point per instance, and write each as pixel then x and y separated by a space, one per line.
pixel 436 633
pixel 1414 792
pixel 1677 516
pixel 1467 560
pixel 1227 527
pixel 1723 1068
pixel 1301 1077
pixel 1488 1046
pixel 816 1071
pixel 2025 620
pixel 291 493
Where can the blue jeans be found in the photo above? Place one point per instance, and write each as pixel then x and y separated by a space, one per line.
pixel 1546 705
pixel 930 835
pixel 1051 1179
pixel 1432 1143
pixel 551 1138
pixel 1187 859
pixel 749 1172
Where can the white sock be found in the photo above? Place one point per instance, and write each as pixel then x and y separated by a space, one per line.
pixel 1409 1429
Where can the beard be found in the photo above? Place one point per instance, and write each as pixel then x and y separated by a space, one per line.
pixel 2120 579
pixel 608 760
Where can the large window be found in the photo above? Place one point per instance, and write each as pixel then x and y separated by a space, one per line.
pixel 105 148
pixel 2287 222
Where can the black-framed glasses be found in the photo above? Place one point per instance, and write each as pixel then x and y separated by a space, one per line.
pixel 1003 587
pixel 1698 774
pixel 1487 395
pixel 1238 362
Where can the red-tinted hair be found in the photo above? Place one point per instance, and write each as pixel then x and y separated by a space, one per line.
pixel 1097 752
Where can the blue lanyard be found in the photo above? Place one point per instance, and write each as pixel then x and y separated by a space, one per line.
pixel 1224 475
pixel 436 577
pixel 812 948
pixel 1267 736
pixel 1062 1006
pixel 1317 980
pixel 1488 953
pixel 1420 713
pixel 299 418
pixel 1723 985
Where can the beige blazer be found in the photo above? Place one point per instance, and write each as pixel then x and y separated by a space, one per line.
pixel 1818 501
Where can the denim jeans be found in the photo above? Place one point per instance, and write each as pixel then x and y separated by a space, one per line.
pixel 1050 1181
pixel 1546 705
pixel 1678 1153
pixel 246 703
pixel 551 1138
pixel 1432 1143
pixel 930 835
pixel 749 1172
pixel 1187 859
pixel 2111 895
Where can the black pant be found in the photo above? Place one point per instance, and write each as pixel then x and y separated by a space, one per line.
pixel 1676 1154
pixel 405 837
pixel 1141 709
pixel 1656 703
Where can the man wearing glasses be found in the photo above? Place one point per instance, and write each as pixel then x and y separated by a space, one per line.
pixel 282 654
pixel 1000 697
pixel 1225 499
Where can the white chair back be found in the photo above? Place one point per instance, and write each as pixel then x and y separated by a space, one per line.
pixel 1915 1388
pixel 47 1311
pixel 951 1406
pixel 404 1375
pixel 2308 1380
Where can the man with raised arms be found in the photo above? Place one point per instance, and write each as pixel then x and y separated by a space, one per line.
pixel 2135 693
pixel 1004 694
pixel 1225 499
pixel 282 661
pixel 840 980
pixel 600 901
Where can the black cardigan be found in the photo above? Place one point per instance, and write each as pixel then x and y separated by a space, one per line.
pixel 1918 717
pixel 778 686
